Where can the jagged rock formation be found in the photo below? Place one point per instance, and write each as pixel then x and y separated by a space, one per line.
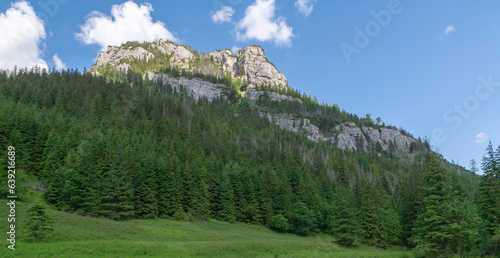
pixel 114 55
pixel 250 64
pixel 349 137
pixel 253 94
pixel 195 88
pixel 257 69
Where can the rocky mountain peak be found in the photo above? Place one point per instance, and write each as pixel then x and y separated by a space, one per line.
pixel 257 68
pixel 249 64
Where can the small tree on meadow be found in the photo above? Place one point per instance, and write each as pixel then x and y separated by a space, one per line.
pixel 38 224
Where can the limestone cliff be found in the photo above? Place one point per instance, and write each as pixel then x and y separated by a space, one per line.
pixel 249 64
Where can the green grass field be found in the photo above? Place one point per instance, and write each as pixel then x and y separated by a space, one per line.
pixel 77 236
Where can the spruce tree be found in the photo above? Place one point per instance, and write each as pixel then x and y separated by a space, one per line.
pixel 226 209
pixel 489 190
pixel 38 224
pixel 344 223
pixel 436 226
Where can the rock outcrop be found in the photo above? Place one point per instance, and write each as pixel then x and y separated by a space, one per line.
pixel 114 55
pixel 253 94
pixel 227 60
pixel 250 64
pixel 349 136
pixel 258 70
pixel 195 88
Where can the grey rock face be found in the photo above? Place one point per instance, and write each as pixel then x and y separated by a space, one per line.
pixel 114 55
pixel 164 47
pixel 289 123
pixel 253 94
pixel 402 142
pixel 250 64
pixel 194 87
pixel 349 137
pixel 227 60
pixel 181 57
pixel 258 69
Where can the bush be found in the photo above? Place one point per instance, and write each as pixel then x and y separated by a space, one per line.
pixel 279 223
pixel 302 219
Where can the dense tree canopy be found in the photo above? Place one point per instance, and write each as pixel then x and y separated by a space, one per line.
pixel 130 148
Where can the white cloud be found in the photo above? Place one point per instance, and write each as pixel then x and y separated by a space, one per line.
pixel 259 23
pixel 223 15
pixel 449 29
pixel 235 49
pixel 22 34
pixel 129 22
pixel 481 137
pixel 58 63
pixel 305 6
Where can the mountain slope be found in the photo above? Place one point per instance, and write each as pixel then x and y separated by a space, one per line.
pixel 213 146
pixel 259 82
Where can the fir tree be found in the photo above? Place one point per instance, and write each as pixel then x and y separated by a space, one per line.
pixel 344 223
pixel 226 209
pixel 38 224
pixel 489 191
pixel 436 225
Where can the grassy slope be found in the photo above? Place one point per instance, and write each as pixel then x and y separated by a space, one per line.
pixel 77 236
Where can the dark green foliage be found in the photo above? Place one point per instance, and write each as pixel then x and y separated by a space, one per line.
pixel 489 191
pixel 279 223
pixel 344 222
pixel 227 208
pixel 38 224
pixel 301 219
pixel 436 225
pixel 370 221
pixel 122 147
pixel 489 200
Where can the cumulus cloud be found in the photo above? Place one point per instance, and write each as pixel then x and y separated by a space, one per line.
pixel 22 34
pixel 305 6
pixel 58 63
pixel 128 22
pixel 223 15
pixel 449 29
pixel 235 49
pixel 259 23
pixel 481 137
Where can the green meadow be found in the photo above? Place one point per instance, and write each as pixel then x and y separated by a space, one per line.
pixel 78 236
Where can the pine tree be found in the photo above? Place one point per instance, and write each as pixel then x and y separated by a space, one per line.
pixel 436 225
pixel 146 204
pixel 38 224
pixel 226 209
pixel 344 223
pixel 369 220
pixel 489 191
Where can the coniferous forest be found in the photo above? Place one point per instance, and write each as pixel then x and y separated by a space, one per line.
pixel 135 149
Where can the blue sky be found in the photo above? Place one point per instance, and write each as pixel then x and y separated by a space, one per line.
pixel 431 67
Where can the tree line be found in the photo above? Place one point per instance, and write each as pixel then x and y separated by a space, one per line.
pixel 133 149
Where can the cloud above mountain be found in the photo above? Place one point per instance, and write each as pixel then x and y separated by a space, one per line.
pixel 223 15
pixel 260 23
pixel 23 35
pixel 128 22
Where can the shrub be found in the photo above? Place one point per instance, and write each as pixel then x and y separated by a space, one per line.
pixel 279 223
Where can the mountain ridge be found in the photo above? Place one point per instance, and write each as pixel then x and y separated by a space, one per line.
pixel 255 77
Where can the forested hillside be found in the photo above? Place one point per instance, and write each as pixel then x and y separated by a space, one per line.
pixel 141 149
